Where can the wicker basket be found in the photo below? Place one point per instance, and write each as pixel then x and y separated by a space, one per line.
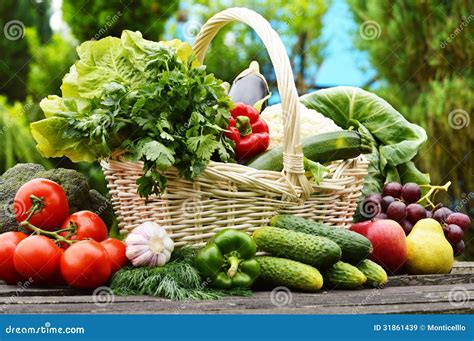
pixel 235 196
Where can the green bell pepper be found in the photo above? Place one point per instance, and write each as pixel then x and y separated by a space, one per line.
pixel 228 260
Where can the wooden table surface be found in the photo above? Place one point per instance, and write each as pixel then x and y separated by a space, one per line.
pixel 453 293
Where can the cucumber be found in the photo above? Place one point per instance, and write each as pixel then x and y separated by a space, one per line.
pixel 355 247
pixel 339 145
pixel 291 274
pixel 343 276
pixel 376 275
pixel 319 252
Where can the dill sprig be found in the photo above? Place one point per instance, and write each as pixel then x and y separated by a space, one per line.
pixel 176 280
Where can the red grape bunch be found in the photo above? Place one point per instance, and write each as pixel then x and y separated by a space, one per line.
pixel 399 203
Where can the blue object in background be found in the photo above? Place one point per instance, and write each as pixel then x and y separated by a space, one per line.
pixel 344 65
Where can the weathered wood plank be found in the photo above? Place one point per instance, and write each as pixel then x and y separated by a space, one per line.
pixel 410 299
pixel 420 280
pixel 294 300
pixel 404 294
pixel 463 267
pixel 8 290
pixel 153 308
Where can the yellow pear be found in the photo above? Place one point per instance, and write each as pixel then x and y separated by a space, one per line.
pixel 428 250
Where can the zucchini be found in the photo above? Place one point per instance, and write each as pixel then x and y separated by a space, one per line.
pixel 291 274
pixel 319 252
pixel 343 276
pixel 376 275
pixel 355 247
pixel 322 148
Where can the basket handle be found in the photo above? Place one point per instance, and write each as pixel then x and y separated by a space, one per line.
pixel 293 162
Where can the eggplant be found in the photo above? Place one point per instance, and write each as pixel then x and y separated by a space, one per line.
pixel 250 87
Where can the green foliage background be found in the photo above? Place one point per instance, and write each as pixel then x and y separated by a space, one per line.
pixel 99 18
pixel 299 24
pixel 14 54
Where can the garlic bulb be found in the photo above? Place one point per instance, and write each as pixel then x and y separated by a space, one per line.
pixel 149 245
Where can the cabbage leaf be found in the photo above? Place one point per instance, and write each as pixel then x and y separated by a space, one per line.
pixel 397 141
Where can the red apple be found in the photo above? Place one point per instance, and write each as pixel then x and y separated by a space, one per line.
pixel 389 242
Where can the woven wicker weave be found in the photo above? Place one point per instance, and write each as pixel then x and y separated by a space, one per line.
pixel 235 196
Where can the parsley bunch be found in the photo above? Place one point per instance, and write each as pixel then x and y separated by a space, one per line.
pixel 153 103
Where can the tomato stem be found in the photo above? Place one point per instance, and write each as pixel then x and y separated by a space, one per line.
pixel 37 204
pixel 54 235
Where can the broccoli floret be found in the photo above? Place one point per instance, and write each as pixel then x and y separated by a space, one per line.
pixel 22 172
pixel 101 206
pixel 10 183
pixel 74 184
pixel 79 194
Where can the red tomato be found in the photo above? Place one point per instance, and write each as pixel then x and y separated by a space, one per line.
pixel 37 257
pixel 88 226
pixel 57 279
pixel 55 205
pixel 85 264
pixel 8 243
pixel 7 269
pixel 12 236
pixel 116 251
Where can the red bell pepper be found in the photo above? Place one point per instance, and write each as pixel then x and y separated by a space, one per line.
pixel 248 131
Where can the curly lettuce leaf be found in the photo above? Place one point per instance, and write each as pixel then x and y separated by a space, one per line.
pixel 102 62
pixel 139 49
pixel 52 142
pixel 57 106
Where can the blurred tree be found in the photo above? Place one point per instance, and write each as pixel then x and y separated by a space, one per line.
pixel 15 16
pixel 15 138
pixel 100 18
pixel 48 65
pixel 299 24
pixel 423 53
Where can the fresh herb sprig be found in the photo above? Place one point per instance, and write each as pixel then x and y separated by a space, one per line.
pixel 177 280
